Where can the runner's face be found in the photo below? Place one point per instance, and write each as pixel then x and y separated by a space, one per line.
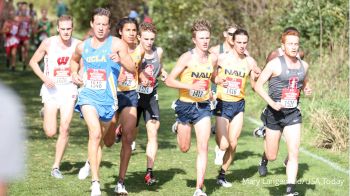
pixel 229 34
pixel 202 40
pixel 100 26
pixel 128 33
pixel 291 45
pixel 240 43
pixel 65 29
pixel 147 40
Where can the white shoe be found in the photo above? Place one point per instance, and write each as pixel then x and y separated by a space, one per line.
pixel 84 172
pixel 95 189
pixel 120 189
pixel 219 155
pixel 133 146
pixel 224 183
pixel 199 192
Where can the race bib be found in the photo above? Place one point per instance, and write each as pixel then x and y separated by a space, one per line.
pixel 289 97
pixel 233 87
pixel 144 89
pixel 62 75
pixel 199 93
pixel 130 80
pixel 96 79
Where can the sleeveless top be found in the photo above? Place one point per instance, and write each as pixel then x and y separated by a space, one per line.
pixel 285 88
pixel 100 74
pixel 44 33
pixel 131 79
pixel 195 72
pixel 11 36
pixel 57 61
pixel 235 71
pixel 152 68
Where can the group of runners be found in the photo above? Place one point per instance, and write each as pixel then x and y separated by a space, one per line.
pixel 117 81
pixel 20 30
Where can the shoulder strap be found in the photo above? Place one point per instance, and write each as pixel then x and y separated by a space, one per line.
pixel 221 49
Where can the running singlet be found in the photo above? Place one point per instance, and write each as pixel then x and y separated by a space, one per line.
pixel 131 79
pixel 44 33
pixel 286 87
pixel 57 64
pixel 235 72
pixel 152 68
pixel 195 72
pixel 24 27
pixel 11 38
pixel 100 74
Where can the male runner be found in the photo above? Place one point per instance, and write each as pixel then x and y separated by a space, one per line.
pixel 24 31
pixel 103 56
pixel 287 76
pixel 58 91
pixel 10 29
pixel 194 69
pixel 151 67
pixel 234 68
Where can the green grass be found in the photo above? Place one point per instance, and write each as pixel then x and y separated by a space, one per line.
pixel 175 170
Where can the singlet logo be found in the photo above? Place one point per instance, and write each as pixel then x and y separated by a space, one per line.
pixel 234 72
pixel 293 82
pixel 92 59
pixel 62 60
pixel 200 75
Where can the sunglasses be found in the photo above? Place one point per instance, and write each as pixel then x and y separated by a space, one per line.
pixel 230 34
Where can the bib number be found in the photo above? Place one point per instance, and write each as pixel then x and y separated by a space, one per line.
pixel 144 89
pixel 96 79
pixel 62 75
pixel 234 86
pixel 290 98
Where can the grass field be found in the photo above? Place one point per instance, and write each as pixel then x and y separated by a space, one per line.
pixel 174 170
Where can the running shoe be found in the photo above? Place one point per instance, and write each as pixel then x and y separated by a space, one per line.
pixel 55 172
pixel 199 192
pixel 219 155
pixel 95 188
pixel 84 172
pixel 292 194
pixel 174 127
pixel 262 169
pixel 149 179
pixel 259 132
pixel 120 189
pixel 223 182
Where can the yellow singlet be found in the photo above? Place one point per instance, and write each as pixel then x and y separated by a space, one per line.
pixel 235 71
pixel 194 72
pixel 131 79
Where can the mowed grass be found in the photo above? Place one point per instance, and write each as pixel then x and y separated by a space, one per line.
pixel 175 170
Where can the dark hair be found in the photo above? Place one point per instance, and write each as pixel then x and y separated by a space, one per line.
pixel 290 29
pixel 145 26
pixel 100 12
pixel 124 21
pixel 200 25
pixel 240 32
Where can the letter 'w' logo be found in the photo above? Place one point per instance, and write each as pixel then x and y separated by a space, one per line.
pixel 62 60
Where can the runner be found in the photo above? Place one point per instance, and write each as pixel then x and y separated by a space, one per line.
pixel 151 67
pixel 24 31
pixel 227 45
pixel 287 76
pixel 194 69
pixel 43 28
pixel 103 56
pixel 260 131
pixel 10 29
pixel 234 68
pixel 58 91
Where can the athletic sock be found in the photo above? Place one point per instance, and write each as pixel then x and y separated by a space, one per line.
pixel 290 188
pixel 264 160
pixel 221 174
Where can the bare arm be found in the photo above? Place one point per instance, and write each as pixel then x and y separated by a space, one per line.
pixel 163 72
pixel 264 77
pixel 36 58
pixel 306 86
pixel 75 63
pixel 253 75
pixel 121 48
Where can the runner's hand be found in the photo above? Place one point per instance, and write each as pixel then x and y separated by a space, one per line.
pixel 49 83
pixel 199 85
pixel 307 91
pixel 76 78
pixel 277 106
pixel 115 57
pixel 164 76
